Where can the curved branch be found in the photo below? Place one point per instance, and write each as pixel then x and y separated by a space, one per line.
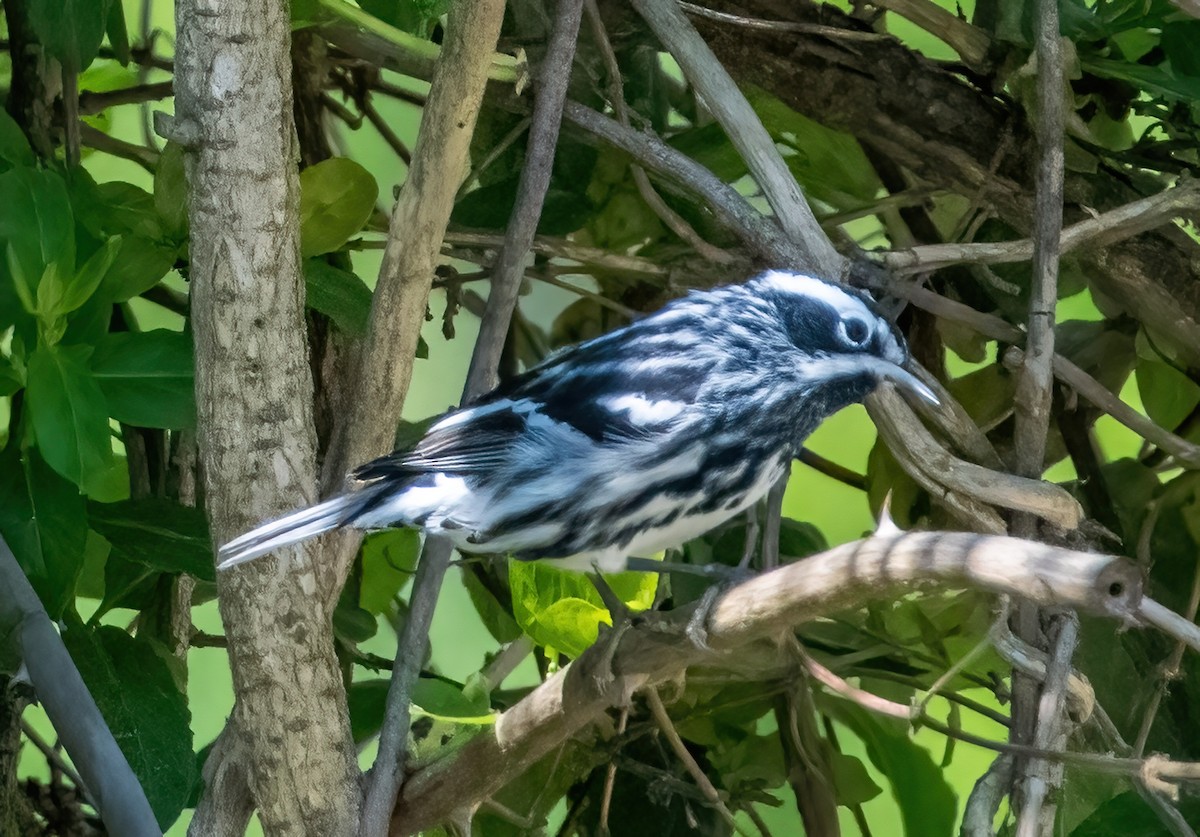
pixel 761 609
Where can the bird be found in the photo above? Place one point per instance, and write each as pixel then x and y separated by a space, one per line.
pixel 627 444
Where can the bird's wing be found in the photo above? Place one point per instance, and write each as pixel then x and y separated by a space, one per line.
pixel 604 391
pixel 466 441
pixel 610 390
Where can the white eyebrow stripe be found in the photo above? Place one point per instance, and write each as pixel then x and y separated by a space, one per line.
pixel 831 295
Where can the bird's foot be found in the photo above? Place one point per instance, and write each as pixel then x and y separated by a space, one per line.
pixel 609 639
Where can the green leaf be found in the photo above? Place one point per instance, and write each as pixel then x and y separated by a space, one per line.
pixel 352 623
pixel 60 294
pixel 37 227
pixel 489 207
pixel 389 559
pixel 1168 395
pixel 495 618
pixel 11 377
pixel 117 207
pixel 337 196
pixel 709 146
pixel 927 804
pixel 171 191
pixel 118 35
pixel 140 265
pixel 70 30
pixel 69 413
pixel 14 147
pixel 1128 815
pixel 1154 80
pixel 851 780
pixel 446 702
pixel 830 165
pixel 157 533
pixel 338 294
pixel 147 714
pixel 562 610
pixel 367 701
pixel 127 584
pixel 44 522
pixel 148 378
pixel 1179 41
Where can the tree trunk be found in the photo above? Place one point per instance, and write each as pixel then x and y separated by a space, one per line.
pixel 289 736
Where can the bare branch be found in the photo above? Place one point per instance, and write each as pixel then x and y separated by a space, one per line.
pixel 414 242
pixel 105 774
pixel 411 252
pixel 747 134
pixel 616 95
pixel 1108 228
pixel 916 445
pixel 762 608
pixel 92 101
pixel 1041 777
pixel 689 762
pixel 970 42
pixel 509 267
pixel 1033 778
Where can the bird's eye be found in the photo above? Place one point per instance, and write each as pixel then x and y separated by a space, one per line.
pixel 855 331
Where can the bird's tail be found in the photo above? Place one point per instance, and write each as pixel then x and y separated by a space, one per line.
pixel 295 527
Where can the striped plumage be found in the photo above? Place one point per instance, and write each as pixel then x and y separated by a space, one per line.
pixel 632 442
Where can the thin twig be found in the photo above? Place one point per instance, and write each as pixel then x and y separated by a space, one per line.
pixel 1169 671
pixel 689 762
pixel 600 299
pixel 397 311
pixel 385 130
pixel 1103 230
pixel 1041 777
pixel 91 137
pixel 730 209
pixel 832 469
pixel 93 101
pixel 549 95
pixel 774 521
pixel 610 776
pixel 54 756
pixel 616 95
pixel 781 25
pixel 494 153
pixel 746 132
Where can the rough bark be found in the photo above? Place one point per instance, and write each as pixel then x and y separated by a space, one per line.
pixel 255 429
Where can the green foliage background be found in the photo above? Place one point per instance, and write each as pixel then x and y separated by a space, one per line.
pixel 106 235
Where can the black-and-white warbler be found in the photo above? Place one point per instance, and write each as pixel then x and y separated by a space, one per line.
pixel 632 442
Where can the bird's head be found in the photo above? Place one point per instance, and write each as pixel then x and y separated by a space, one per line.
pixel 841 342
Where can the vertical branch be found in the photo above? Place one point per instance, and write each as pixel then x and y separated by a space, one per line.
pixel 509 267
pixel 746 133
pixel 553 77
pixel 418 223
pixel 1031 720
pixel 291 732
pixel 1036 816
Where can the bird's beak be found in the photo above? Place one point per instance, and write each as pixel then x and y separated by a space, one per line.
pixel 907 380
